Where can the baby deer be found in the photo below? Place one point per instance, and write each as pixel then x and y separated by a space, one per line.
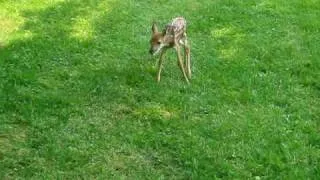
pixel 173 36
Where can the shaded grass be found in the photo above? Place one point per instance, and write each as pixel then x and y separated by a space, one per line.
pixel 78 97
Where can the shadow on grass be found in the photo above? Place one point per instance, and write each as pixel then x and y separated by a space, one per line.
pixel 72 58
pixel 77 54
pixel 54 69
pixel 81 55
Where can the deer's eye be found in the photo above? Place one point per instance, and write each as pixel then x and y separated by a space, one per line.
pixel 159 42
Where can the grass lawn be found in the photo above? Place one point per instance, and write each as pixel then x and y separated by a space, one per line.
pixel 79 100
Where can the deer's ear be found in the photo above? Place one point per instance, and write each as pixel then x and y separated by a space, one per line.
pixel 154 28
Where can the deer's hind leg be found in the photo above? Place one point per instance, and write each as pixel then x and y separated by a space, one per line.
pixel 180 63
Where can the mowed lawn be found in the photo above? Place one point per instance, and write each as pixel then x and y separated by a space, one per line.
pixel 79 100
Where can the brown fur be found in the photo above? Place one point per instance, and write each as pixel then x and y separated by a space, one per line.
pixel 173 36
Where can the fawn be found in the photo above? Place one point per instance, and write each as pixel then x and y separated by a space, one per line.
pixel 173 36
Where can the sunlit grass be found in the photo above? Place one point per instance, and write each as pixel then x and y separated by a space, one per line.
pixel 82 29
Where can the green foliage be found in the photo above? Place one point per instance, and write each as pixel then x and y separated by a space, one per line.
pixel 78 96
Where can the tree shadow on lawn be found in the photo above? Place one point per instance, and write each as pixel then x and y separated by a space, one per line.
pixel 78 55
pixel 74 57
pixel 61 65
pixel 54 69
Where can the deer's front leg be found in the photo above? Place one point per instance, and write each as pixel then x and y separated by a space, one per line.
pixel 160 64
pixel 187 59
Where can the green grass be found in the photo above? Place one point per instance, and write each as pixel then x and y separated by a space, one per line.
pixel 78 97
